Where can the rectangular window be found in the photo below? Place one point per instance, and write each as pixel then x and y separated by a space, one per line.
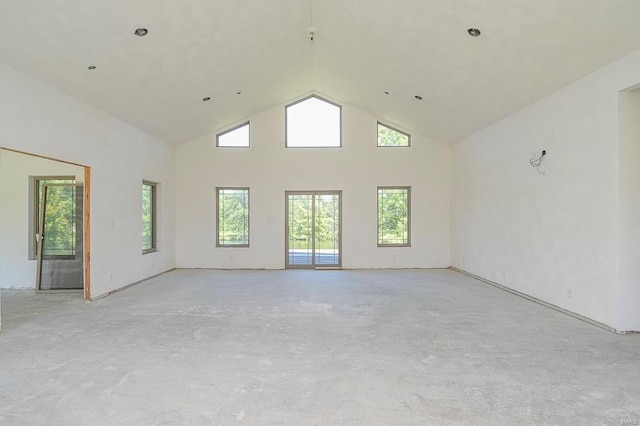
pixel 149 216
pixel 232 206
pixel 36 185
pixel 394 216
pixel 388 136
pixel 237 137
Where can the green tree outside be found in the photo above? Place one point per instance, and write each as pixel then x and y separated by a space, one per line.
pixel 59 219
pixel 390 137
pixel 301 221
pixel 147 216
pixel 393 217
pixel 233 216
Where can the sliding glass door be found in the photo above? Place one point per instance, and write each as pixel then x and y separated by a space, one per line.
pixel 313 229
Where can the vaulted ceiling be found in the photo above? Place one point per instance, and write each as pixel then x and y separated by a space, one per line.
pixel 260 48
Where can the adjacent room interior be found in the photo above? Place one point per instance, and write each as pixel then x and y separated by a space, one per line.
pixel 320 212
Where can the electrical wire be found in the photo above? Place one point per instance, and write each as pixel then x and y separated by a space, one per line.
pixel 538 162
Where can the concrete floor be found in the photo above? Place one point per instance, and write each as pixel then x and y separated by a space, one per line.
pixel 309 348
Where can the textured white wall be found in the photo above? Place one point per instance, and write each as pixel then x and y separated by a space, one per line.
pixel 39 119
pixel 629 294
pixel 16 269
pixel 269 169
pixel 551 236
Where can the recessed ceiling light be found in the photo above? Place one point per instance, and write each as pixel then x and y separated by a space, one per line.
pixel 418 97
pixel 206 99
pixel 141 32
pixel 473 32
pixel 92 67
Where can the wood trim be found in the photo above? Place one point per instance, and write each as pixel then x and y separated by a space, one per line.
pixel 41 156
pixel 87 233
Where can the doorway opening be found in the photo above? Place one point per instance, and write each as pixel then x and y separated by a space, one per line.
pixel 65 224
pixel 313 229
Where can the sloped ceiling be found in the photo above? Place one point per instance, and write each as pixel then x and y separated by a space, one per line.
pixel 217 48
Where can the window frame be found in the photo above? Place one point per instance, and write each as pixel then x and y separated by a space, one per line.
pixel 154 216
pixel 395 129
pixel 306 98
pixel 237 188
pixel 233 129
pixel 408 243
pixel 34 211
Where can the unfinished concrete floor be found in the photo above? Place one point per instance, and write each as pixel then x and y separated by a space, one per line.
pixel 309 348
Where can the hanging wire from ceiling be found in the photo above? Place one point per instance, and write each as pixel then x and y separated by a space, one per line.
pixel 312 30
pixel 312 33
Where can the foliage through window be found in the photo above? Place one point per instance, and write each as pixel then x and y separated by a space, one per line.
pixel 320 220
pixel 232 206
pixel 235 137
pixel 388 136
pixel 60 221
pixel 313 122
pixel 148 217
pixel 394 206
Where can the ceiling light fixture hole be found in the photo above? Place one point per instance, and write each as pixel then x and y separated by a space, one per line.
pixel 474 32
pixel 141 32
pixel 386 93
pixel 239 93
pixel 418 97
pixel 206 99
pixel 92 67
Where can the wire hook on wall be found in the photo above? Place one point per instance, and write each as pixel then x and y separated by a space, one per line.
pixel 538 161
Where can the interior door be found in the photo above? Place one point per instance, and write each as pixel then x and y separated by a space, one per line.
pixel 313 229
pixel 60 238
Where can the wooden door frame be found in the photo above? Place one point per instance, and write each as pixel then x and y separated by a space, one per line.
pixel 86 219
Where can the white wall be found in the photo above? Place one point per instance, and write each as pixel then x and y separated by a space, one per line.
pixel 629 293
pixel 269 169
pixel 16 269
pixel 553 236
pixel 39 119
